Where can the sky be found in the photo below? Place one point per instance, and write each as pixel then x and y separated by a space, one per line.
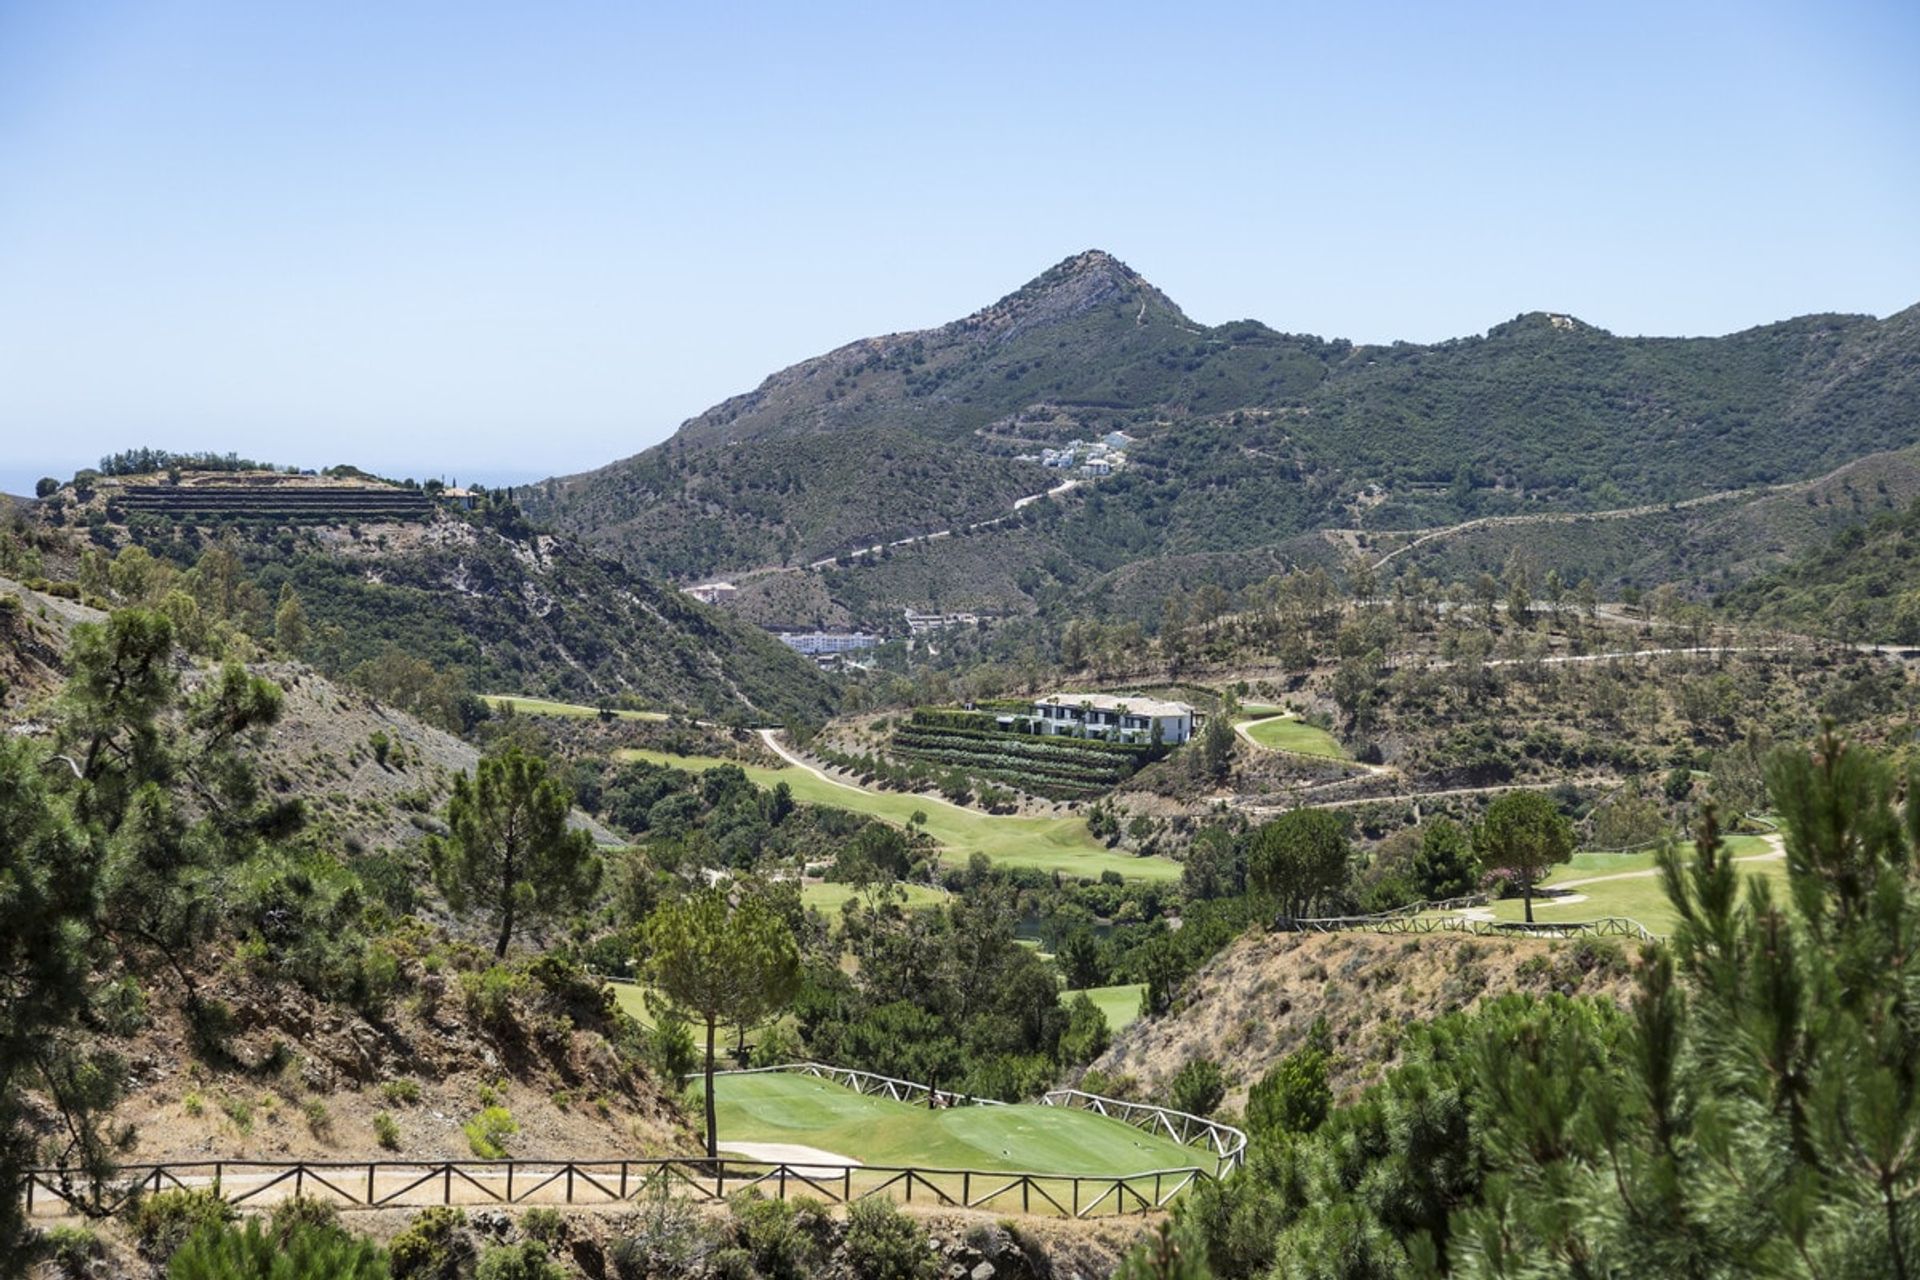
pixel 495 242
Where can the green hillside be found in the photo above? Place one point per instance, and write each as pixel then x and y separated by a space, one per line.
pixel 1862 585
pixel 775 1107
pixel 1245 437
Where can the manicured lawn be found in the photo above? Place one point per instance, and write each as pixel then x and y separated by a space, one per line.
pixel 1050 844
pixel 1285 733
pixel 828 897
pixel 776 1107
pixel 542 707
pixel 1639 897
pixel 1121 1004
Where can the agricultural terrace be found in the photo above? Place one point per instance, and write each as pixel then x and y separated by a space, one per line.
pixel 778 1108
pixel 1061 768
pixel 1045 844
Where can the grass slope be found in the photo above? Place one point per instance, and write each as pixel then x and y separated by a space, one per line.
pixel 569 710
pixel 1121 1004
pixel 1639 895
pixel 1285 733
pixel 775 1107
pixel 1048 844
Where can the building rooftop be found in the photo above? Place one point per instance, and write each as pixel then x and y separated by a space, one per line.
pixel 1135 705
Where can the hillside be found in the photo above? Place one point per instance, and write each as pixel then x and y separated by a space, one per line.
pixel 1257 1000
pixel 1861 585
pixel 1244 437
pixel 479 593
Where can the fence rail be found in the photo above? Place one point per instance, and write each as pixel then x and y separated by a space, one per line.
pixel 1225 1143
pixel 1395 922
pixel 384 1184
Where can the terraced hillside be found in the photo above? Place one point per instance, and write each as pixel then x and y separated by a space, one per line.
pixel 1061 768
pixel 275 503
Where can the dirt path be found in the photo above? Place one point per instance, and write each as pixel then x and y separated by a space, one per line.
pixel 1424 536
pixel 770 737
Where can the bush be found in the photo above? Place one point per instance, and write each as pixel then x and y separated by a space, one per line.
pixel 307 1251
pixel 162 1223
pixel 490 996
pixel 1293 1097
pixel 548 1226
pixel 777 1046
pixel 72 1250
pixel 525 1261
pixel 665 1241
pixel 386 1130
pixel 435 1246
pixel 885 1244
pixel 401 1092
pixel 671 1048
pixel 1199 1087
pixel 487 1132
pixel 783 1241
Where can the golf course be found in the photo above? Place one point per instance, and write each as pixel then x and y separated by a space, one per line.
pixel 1628 884
pixel 1287 732
pixel 1120 1004
pixel 784 1109
pixel 1060 844
pixel 567 710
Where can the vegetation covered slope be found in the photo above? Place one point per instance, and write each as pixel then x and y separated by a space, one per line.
pixel 1245 435
pixel 1863 584
pixel 482 595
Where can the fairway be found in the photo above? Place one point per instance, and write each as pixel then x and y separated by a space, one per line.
pixel 777 1107
pixel 1637 895
pixel 1121 1004
pixel 1288 733
pixel 572 710
pixel 1047 844
pixel 828 897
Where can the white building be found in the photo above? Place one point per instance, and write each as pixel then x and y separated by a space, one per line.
pixel 823 643
pixel 712 592
pixel 1115 717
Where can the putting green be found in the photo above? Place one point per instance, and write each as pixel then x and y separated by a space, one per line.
pixel 1048 844
pixel 1287 733
pixel 777 1107
pixel 1121 1004
pixel 573 710
pixel 1636 895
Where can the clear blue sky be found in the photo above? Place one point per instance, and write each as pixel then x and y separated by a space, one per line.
pixel 500 241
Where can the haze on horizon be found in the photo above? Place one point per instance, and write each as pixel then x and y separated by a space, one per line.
pixel 491 242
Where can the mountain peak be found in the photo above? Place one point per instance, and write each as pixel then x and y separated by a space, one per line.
pixel 1068 288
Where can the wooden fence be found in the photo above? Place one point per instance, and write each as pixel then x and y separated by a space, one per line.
pixel 1400 922
pixel 387 1184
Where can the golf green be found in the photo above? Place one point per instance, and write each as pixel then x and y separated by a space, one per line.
pixel 1049 844
pixel 776 1107
pixel 1121 1004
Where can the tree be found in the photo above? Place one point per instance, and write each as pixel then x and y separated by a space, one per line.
pixel 1198 1087
pixel 1216 748
pixel 1524 834
pixel 722 964
pixel 45 487
pixel 510 854
pixel 1293 1096
pixel 1079 960
pixel 290 622
pixel 1298 858
pixel 1445 866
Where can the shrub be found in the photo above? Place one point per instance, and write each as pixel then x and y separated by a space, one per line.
pixel 490 996
pixel 162 1223
pixel 777 1046
pixel 781 1239
pixel 487 1132
pixel 885 1244
pixel 671 1048
pixel 548 1226
pixel 525 1261
pixel 665 1241
pixel 306 1252
pixel 386 1130
pixel 401 1092
pixel 1293 1097
pixel 435 1246
pixel 319 1119
pixel 72 1250
pixel 1199 1087
pixel 193 1104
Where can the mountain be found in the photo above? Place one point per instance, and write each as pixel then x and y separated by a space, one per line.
pixel 479 594
pixel 1246 436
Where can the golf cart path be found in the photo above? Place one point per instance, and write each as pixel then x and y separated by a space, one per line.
pixel 808 1162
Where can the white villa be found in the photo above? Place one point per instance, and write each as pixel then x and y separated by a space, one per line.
pixel 712 592
pixel 1118 718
